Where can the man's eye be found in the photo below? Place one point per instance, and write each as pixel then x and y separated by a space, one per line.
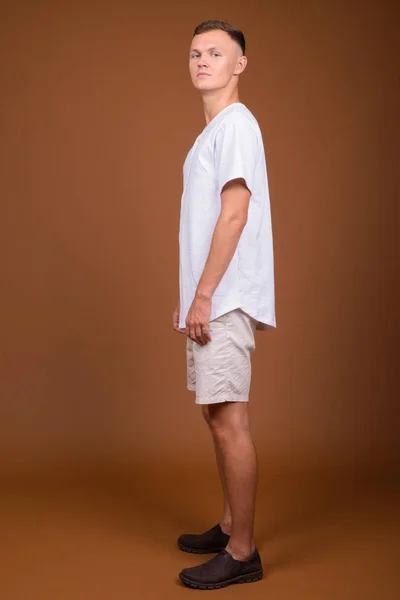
pixel 216 54
pixel 194 55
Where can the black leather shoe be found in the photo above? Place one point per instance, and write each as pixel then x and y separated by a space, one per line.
pixel 213 540
pixel 223 570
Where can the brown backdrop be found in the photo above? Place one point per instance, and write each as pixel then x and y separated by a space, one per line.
pixel 97 114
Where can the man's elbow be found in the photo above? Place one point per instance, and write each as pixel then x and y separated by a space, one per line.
pixel 236 219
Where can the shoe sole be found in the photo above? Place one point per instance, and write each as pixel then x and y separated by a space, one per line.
pixel 248 578
pixel 199 550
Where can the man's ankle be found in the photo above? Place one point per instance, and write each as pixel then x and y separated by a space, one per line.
pixel 240 552
pixel 226 527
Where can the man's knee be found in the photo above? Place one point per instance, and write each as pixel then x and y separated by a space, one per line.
pixel 227 419
pixel 212 414
pixel 206 413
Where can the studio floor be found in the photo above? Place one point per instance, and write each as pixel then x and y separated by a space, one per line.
pixel 330 535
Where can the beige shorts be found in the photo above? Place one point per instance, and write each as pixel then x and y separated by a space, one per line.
pixel 220 371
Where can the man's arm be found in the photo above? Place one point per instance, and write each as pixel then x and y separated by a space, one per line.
pixel 235 198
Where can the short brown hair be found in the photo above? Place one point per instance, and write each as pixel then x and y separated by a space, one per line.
pixel 234 33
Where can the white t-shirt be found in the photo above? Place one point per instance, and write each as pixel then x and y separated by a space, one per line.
pixel 230 146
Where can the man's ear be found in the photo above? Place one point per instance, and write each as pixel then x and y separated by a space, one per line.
pixel 241 64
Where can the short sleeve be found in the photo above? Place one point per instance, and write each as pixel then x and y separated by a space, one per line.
pixel 236 153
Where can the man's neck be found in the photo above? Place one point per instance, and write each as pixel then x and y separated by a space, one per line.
pixel 213 105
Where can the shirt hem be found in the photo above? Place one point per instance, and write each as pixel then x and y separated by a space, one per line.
pixel 267 321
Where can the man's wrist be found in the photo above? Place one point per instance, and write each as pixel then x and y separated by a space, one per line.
pixel 203 294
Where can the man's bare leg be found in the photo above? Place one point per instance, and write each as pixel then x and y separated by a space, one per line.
pixel 226 521
pixel 230 427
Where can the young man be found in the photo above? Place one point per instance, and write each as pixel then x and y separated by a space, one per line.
pixel 226 293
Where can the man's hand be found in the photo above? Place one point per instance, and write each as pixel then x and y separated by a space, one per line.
pixel 197 320
pixel 175 321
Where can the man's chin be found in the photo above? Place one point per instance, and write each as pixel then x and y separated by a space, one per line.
pixel 202 86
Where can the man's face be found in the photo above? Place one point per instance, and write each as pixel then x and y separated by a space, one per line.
pixel 213 60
